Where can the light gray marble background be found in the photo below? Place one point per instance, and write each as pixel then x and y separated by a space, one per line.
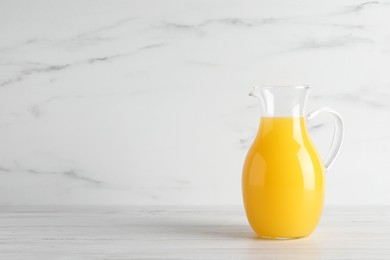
pixel 146 102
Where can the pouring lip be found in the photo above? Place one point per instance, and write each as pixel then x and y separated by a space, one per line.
pixel 254 91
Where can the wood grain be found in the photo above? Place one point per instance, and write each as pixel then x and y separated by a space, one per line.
pixel 112 232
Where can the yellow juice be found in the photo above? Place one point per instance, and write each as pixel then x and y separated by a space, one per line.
pixel 283 180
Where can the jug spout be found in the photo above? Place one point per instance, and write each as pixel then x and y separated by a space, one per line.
pixel 281 101
pixel 254 91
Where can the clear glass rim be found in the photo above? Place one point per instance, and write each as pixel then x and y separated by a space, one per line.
pixel 286 86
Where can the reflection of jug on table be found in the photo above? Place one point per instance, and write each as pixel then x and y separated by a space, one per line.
pixel 283 176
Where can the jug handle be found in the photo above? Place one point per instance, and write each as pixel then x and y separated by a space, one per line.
pixel 337 136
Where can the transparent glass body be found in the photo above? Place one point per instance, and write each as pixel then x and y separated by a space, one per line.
pixel 283 177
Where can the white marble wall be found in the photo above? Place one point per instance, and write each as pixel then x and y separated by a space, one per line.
pixel 145 102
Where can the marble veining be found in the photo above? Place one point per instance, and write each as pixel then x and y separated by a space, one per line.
pixel 121 103
pixel 359 7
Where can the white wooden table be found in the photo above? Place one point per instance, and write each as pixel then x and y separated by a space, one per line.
pixel 112 232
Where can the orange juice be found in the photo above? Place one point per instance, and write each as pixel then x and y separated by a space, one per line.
pixel 283 180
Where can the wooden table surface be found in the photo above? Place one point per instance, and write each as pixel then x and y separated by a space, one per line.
pixel 116 232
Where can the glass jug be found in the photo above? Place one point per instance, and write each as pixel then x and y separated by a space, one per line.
pixel 283 176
